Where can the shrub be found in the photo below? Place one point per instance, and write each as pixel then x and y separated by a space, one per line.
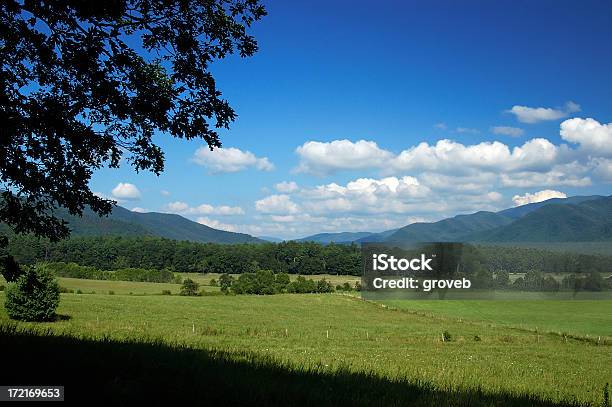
pixel 213 283
pixel 111 292
pixel 189 287
pixel 446 336
pixel 225 281
pixel 166 292
pixel 66 290
pixel 78 291
pixel 1 287
pixel 281 281
pixel 34 296
pixel 323 286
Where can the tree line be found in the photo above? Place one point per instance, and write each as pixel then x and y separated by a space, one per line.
pixel 113 253
pixel 490 265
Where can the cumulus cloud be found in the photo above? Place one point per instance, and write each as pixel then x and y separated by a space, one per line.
pixel 526 114
pixel 539 196
pixel 591 135
pixel 475 183
pixel 277 205
pixel 138 209
pixel 367 204
pixel 451 157
pixel 127 191
pixel 230 160
pixel 507 131
pixel 444 156
pixel 327 157
pixel 215 224
pixel 366 195
pixel 572 174
pixel 286 187
pixel 203 209
pixel 603 169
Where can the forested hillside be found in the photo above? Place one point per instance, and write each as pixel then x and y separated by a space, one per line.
pixel 583 222
pixel 123 222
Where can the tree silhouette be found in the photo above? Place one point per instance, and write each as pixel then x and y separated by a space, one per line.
pixel 84 84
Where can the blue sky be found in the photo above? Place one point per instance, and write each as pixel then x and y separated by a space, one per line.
pixel 341 96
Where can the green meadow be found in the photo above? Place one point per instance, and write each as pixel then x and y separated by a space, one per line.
pixel 322 348
pixel 573 317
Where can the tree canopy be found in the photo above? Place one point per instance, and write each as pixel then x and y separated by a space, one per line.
pixel 84 84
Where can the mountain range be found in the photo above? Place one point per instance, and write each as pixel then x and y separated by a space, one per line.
pixel 124 222
pixel 574 219
pixel 579 218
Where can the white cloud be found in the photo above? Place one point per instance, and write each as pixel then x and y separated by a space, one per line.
pixel 445 156
pixel 215 224
pixel 138 209
pixel 440 126
pixel 475 183
pixel 526 114
pixel 507 131
pixel 366 195
pixel 277 205
pixel 164 192
pixel 203 209
pixel 125 190
pixel 591 135
pixel 573 174
pixel 367 204
pixel 451 157
pixel 539 196
pixel 603 169
pixel 327 157
pixel 230 160
pixel 286 187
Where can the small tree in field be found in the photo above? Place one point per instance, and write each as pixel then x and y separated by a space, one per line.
pixel 225 282
pixel 189 287
pixel 33 296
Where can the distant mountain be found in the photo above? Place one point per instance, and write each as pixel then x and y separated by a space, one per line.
pixel 589 220
pixel 449 230
pixel 341 237
pixel 520 211
pixel 376 237
pixel 123 222
pixel 271 239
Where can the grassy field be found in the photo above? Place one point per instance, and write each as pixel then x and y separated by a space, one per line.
pixel 578 318
pixel 341 342
pixel 140 288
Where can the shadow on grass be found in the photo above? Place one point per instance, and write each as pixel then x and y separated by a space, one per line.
pixel 109 371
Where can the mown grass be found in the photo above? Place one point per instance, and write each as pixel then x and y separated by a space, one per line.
pixel 342 339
